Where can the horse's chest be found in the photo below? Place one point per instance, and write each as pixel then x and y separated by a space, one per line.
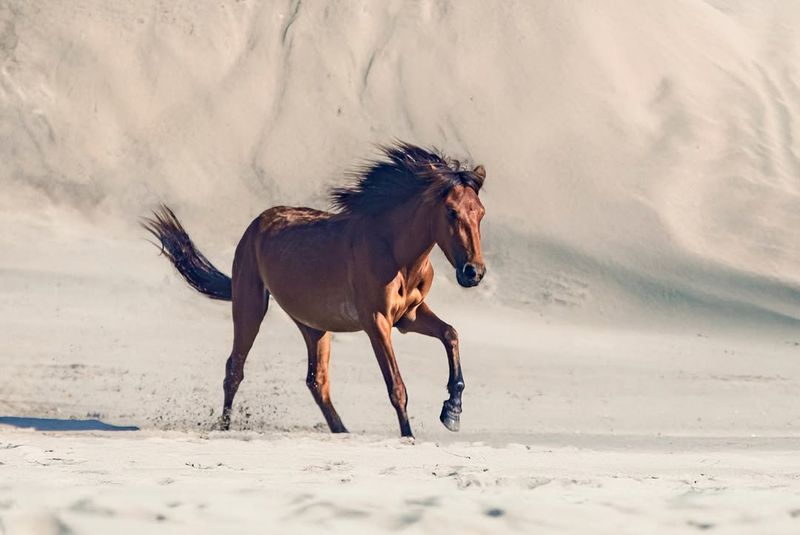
pixel 407 301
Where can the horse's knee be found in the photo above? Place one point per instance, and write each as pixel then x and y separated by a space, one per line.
pixel 450 337
pixel 398 396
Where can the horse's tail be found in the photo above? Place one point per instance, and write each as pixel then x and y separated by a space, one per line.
pixel 191 263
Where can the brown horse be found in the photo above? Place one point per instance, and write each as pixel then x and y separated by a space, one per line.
pixel 363 267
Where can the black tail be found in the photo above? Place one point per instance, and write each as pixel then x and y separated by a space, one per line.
pixel 195 268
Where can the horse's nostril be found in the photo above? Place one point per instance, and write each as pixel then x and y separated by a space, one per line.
pixel 470 271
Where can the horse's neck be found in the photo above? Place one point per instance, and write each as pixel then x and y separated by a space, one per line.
pixel 411 235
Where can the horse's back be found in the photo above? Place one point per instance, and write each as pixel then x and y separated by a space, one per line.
pixel 287 233
pixel 281 218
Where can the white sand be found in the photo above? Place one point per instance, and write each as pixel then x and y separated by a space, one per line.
pixel 174 483
pixel 632 361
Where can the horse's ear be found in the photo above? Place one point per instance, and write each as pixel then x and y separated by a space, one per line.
pixel 480 172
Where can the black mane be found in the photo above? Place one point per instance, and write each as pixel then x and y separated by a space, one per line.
pixel 406 171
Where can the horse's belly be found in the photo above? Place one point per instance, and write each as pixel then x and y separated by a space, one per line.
pixel 335 316
pixel 314 296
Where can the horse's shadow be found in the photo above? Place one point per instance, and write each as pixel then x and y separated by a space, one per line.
pixel 58 424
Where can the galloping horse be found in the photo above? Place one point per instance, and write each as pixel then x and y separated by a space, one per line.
pixel 363 267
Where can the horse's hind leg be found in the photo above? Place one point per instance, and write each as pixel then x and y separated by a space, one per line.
pixel 318 379
pixel 250 301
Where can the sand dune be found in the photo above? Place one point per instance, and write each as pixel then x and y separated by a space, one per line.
pixel 656 139
pixel 631 361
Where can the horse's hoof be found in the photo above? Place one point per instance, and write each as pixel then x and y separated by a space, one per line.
pixel 223 424
pixel 451 416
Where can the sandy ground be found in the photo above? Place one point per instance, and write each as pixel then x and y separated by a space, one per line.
pixel 632 361
pixel 306 483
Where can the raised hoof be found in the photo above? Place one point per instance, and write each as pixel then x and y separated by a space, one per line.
pixel 451 416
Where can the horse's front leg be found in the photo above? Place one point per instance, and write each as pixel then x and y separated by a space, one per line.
pixel 427 323
pixel 380 334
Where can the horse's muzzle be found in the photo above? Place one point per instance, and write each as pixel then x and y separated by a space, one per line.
pixel 470 274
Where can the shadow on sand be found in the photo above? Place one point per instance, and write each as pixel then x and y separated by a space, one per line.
pixel 55 424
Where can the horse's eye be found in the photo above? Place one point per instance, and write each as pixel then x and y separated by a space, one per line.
pixel 452 214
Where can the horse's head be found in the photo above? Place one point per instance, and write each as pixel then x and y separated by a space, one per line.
pixel 458 229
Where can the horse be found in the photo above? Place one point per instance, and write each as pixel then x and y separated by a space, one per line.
pixel 363 266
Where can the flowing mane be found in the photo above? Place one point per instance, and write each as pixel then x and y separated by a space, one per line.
pixel 406 171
